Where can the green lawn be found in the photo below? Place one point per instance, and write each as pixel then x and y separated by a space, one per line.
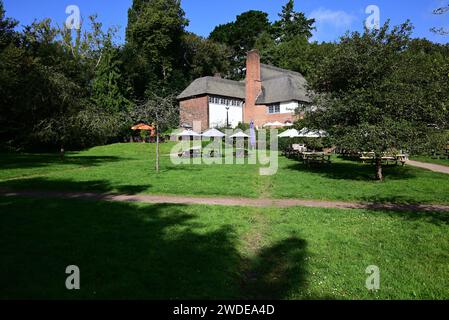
pixel 129 168
pixel 444 162
pixel 129 250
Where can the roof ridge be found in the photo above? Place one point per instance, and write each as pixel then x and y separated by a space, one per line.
pixel 222 80
pixel 289 76
pixel 269 66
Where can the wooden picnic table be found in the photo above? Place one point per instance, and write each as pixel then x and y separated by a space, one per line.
pixel 294 150
pixel 370 156
pixel 315 157
pixel 191 153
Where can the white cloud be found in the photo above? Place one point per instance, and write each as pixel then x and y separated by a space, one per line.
pixel 337 18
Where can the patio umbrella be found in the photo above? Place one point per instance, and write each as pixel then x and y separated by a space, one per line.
pixel 291 133
pixel 188 133
pixel 142 126
pixel 306 133
pixel 213 133
pixel 239 135
pixel 274 124
pixel 186 126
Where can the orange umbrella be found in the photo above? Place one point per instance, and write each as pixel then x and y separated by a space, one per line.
pixel 143 126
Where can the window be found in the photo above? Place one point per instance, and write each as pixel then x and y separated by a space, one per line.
pixel 225 101
pixel 274 108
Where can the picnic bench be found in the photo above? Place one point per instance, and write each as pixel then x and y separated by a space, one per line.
pixel 294 150
pixel 315 158
pixel 194 152
pixel 386 158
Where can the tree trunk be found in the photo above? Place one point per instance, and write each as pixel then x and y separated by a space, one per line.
pixel 157 148
pixel 62 152
pixel 379 173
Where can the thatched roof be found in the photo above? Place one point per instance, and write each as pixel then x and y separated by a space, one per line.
pixel 214 86
pixel 278 85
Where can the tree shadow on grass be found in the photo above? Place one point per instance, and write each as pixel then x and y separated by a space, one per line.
pixel 27 161
pixel 64 185
pixel 274 270
pixel 408 209
pixel 353 171
pixel 129 251
pixel 433 217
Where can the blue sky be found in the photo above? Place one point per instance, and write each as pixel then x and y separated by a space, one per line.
pixel 334 17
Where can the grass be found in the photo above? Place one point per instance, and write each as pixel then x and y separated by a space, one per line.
pixel 129 168
pixel 352 181
pixel 444 162
pixel 130 250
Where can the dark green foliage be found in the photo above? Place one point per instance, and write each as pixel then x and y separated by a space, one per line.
pixel 292 24
pixel 205 57
pixel 7 25
pixel 107 85
pixel 241 36
pixel 53 88
pixel 381 91
pixel 284 43
pixel 154 36
pixel 77 88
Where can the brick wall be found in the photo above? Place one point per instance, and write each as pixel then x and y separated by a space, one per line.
pixel 253 112
pixel 195 109
pixel 253 87
pixel 262 116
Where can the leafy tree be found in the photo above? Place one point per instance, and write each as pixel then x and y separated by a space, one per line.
pixel 161 112
pixel 292 24
pixel 223 33
pixel 154 38
pixel 7 25
pixel 46 82
pixel 205 57
pixel 297 54
pixel 106 88
pixel 375 94
pixel 241 37
pixel 287 44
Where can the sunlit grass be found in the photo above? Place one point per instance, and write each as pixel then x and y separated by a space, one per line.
pixel 129 168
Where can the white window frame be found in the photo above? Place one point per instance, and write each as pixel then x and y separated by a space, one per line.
pixel 274 108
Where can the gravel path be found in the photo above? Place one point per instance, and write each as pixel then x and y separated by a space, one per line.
pixel 278 203
pixel 429 166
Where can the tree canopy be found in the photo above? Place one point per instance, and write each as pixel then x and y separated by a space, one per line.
pixel 381 90
pixel 284 43
pixel 241 36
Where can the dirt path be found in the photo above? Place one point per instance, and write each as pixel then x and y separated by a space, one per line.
pixel 260 203
pixel 429 166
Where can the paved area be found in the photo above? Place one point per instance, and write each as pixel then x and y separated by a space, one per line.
pixel 278 203
pixel 429 166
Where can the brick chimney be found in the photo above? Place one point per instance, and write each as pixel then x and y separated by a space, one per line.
pixel 253 85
